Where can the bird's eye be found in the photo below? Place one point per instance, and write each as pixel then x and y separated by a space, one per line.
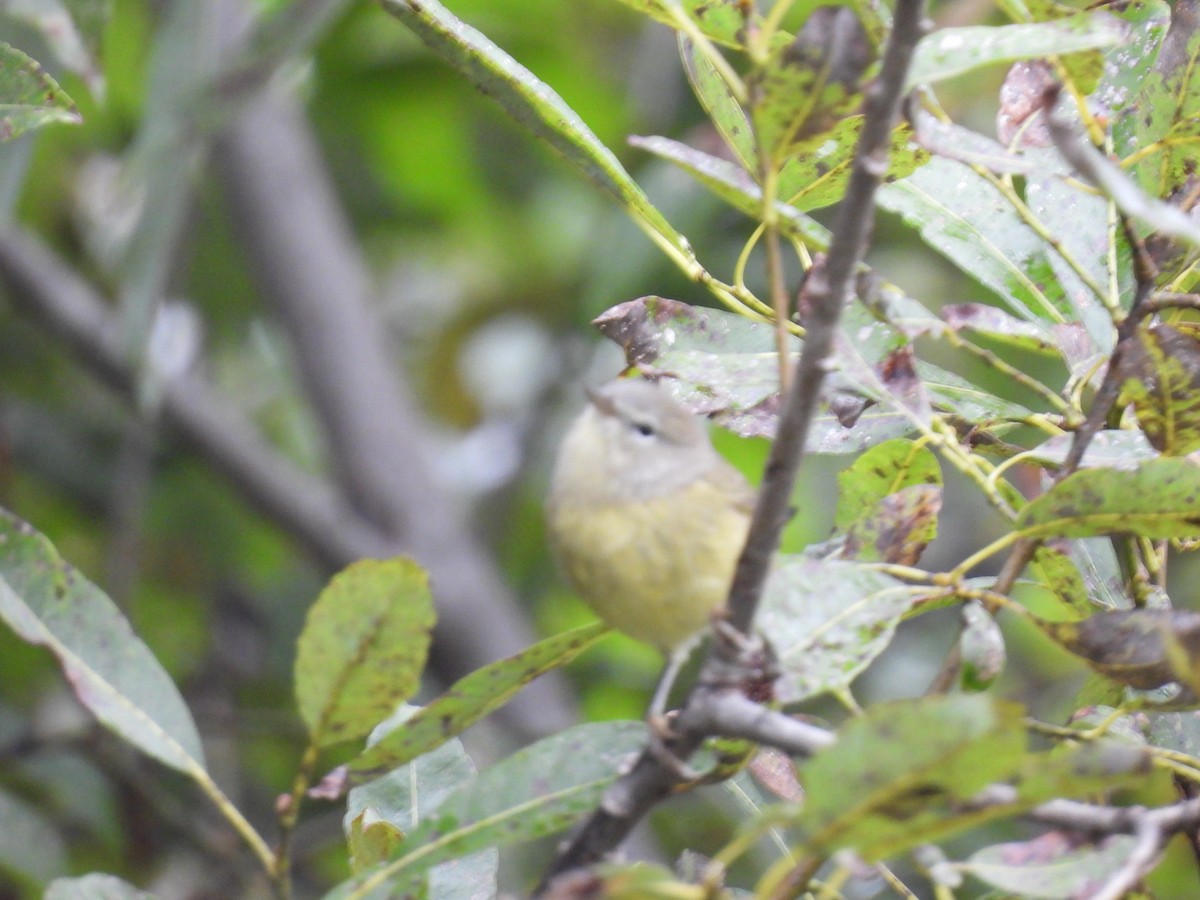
pixel 643 428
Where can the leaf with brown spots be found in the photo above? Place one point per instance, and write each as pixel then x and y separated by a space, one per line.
pixel 1159 498
pixel 363 648
pixel 1160 372
pixel 115 676
pixel 1141 648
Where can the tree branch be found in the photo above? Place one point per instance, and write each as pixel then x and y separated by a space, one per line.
pixel 652 779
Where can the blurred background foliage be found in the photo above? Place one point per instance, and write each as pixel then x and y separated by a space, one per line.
pixel 490 257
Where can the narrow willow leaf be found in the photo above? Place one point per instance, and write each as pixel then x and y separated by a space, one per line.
pixel 966 219
pixel 363 648
pixel 880 472
pixel 1141 648
pixel 731 183
pixel 949 52
pixel 1053 866
pixel 1080 223
pixel 47 602
pixel 470 699
pixel 722 107
pixel 93 887
pixel 996 323
pixel 1158 499
pixel 1160 376
pixel 827 619
pixel 540 790
pixel 895 776
pixel 536 107
pixel 29 97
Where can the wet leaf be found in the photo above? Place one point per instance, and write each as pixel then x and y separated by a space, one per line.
pixel 818 170
pixel 996 323
pixel 948 52
pixel 826 620
pixel 536 107
pixel 808 86
pixel 900 528
pixel 969 221
pixel 1160 372
pixel 1059 575
pixel 1159 498
pixel 363 648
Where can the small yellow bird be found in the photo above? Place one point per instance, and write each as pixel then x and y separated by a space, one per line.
pixel 646 518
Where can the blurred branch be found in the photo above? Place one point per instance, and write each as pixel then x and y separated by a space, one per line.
pixel 301 249
pixel 653 777
pixel 73 313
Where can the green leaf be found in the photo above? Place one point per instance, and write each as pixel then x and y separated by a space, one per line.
pixel 969 221
pixel 1059 574
pixel 981 648
pixel 723 21
pixel 1086 768
pixel 1157 499
pixel 470 699
pixel 897 776
pixel 995 323
pixel 880 472
pixel 540 790
pixel 29 97
pixel 1166 108
pixel 1142 648
pixel 1160 372
pixel 363 648
pixel 48 603
pixel 805 88
pixel 731 183
pixel 949 52
pixel 721 106
pixel 818 170
pixel 826 620
pixel 536 108
pixel 1055 866
pixel 379 815
pixel 93 887
pixel 30 844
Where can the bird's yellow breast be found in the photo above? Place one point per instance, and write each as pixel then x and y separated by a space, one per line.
pixel 655 569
